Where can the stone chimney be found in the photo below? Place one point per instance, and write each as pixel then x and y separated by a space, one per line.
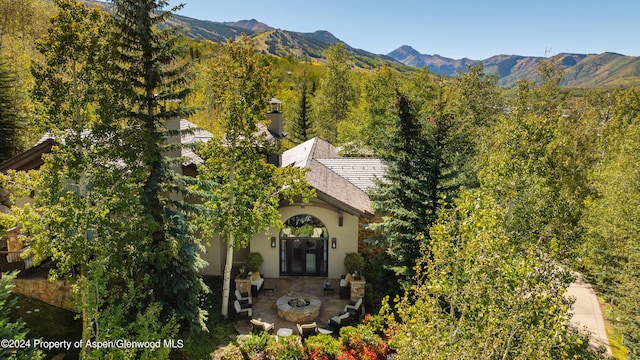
pixel 275 118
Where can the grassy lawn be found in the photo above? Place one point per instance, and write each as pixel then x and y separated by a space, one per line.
pixel 618 350
pixel 49 323
pixel 200 345
pixel 52 323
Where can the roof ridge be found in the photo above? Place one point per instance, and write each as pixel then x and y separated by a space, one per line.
pixel 312 152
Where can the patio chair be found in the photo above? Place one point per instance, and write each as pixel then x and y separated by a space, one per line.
pixel 354 309
pixel 256 283
pixel 243 299
pixel 258 326
pixel 339 321
pixel 345 286
pixel 248 312
pixel 307 330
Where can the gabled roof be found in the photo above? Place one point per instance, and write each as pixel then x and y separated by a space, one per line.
pixel 199 134
pixel 30 159
pixel 339 181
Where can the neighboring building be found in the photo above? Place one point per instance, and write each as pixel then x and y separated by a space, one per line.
pixel 316 235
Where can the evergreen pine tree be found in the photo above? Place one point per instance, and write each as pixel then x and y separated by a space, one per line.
pixel 300 129
pixel 153 72
pixel 407 199
pixel 10 118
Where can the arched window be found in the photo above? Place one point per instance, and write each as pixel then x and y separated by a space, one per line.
pixel 304 226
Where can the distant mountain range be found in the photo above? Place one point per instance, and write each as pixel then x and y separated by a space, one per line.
pixel 581 70
pixel 303 46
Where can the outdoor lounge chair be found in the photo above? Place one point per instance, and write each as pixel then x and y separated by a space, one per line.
pixel 258 326
pixel 345 286
pixel 248 312
pixel 243 299
pixel 307 330
pixel 339 321
pixel 355 309
pixel 256 283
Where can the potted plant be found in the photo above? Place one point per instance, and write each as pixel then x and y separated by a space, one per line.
pixel 354 262
pixel 254 261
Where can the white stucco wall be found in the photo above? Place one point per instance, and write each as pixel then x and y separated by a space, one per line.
pixel 346 236
pixel 215 255
pixel 346 241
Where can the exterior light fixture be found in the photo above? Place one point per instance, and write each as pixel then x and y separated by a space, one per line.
pixel 334 242
pixel 273 241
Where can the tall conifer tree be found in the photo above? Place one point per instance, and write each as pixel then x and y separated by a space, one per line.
pixel 300 129
pixel 152 73
pixel 10 118
pixel 405 200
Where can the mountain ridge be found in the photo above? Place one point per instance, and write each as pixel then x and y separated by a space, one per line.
pixel 608 69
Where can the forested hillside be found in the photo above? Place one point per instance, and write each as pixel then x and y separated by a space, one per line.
pixel 489 203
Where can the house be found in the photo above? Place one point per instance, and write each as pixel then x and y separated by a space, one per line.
pixel 316 236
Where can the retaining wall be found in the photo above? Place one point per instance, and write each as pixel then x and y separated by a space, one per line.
pixel 54 293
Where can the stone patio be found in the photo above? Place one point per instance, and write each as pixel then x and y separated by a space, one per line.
pixel 264 305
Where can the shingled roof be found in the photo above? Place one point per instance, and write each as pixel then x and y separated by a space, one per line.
pixel 361 172
pixel 339 181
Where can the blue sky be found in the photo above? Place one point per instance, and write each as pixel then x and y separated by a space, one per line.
pixel 463 28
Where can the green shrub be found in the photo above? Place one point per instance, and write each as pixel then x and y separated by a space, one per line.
pixel 321 347
pixel 231 352
pixel 254 346
pixel 285 348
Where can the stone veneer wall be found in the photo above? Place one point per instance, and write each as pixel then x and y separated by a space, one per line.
pixel 357 289
pixel 53 293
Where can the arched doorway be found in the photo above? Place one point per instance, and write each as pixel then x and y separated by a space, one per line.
pixel 304 246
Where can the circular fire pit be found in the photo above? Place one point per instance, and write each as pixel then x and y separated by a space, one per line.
pixel 299 308
pixel 298 303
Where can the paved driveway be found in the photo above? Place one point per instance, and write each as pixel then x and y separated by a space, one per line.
pixel 587 312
